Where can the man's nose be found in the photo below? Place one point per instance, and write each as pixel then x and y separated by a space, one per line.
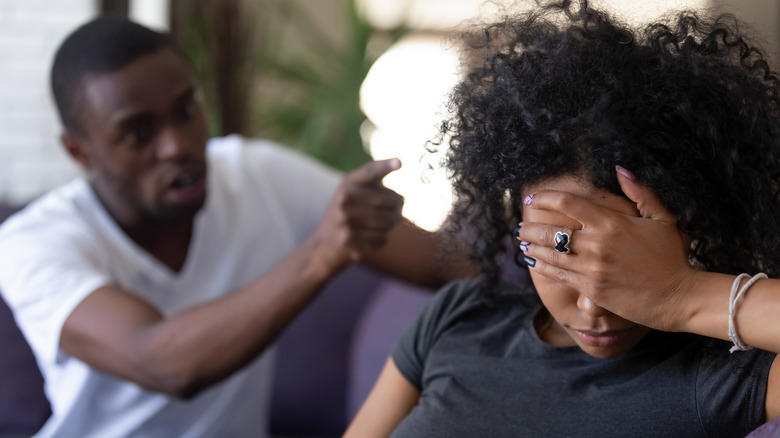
pixel 173 144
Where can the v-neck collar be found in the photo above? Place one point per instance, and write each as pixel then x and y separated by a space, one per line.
pixel 151 265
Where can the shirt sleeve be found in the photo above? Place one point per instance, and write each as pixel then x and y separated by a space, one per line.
pixel 732 388
pixel 410 351
pixel 46 270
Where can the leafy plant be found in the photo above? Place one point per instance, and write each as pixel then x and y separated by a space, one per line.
pixel 271 70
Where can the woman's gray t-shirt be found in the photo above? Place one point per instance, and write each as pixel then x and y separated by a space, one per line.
pixel 483 372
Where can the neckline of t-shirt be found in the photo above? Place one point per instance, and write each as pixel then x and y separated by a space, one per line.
pixel 152 265
pixel 544 347
pixel 650 341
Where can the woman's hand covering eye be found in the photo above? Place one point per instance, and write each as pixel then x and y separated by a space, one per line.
pixel 635 266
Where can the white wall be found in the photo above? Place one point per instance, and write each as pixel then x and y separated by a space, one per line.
pixel 31 159
pixel 763 15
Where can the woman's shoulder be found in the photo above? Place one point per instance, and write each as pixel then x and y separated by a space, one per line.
pixel 476 294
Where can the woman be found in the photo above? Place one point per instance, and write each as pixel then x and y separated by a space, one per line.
pixel 621 331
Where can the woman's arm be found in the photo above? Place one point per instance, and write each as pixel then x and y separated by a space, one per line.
pixel 389 402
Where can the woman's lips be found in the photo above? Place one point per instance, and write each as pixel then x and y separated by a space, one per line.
pixel 602 339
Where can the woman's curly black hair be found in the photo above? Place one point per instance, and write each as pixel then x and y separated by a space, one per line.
pixel 687 104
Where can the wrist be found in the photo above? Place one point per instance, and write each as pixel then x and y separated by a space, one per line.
pixel 707 304
pixel 692 303
pixel 323 258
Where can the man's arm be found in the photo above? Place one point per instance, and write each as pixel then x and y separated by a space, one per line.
pixel 119 333
pixel 421 257
pixel 180 355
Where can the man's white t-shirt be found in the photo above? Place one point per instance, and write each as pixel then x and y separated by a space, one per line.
pixel 262 201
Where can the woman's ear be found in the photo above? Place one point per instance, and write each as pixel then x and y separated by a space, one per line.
pixel 78 149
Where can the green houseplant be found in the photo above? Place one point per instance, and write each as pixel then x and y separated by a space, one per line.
pixel 269 69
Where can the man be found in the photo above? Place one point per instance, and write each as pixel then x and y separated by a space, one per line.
pixel 149 290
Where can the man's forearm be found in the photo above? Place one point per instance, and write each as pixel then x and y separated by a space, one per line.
pixel 420 257
pixel 179 355
pixel 208 343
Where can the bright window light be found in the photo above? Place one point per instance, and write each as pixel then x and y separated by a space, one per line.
pixel 403 96
pixel 151 13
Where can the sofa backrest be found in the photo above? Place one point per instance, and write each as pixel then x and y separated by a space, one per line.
pixel 329 357
pixel 23 405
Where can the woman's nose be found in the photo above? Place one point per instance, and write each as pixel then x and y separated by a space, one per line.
pixel 591 308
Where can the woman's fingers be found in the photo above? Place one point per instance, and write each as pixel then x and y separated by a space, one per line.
pixel 573 268
pixel 553 264
pixel 581 210
pixel 563 237
pixel 648 204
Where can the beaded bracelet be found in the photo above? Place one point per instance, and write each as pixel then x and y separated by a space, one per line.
pixel 733 301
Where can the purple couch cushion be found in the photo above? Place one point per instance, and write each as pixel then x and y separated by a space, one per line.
pixel 768 430
pixel 23 405
pixel 309 395
pixel 391 309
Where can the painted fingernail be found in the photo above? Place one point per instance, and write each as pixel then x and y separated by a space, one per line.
pixel 528 199
pixel 524 246
pixel 625 172
pixel 517 231
pixel 530 261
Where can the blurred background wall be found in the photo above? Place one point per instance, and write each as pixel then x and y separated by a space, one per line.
pixel 289 70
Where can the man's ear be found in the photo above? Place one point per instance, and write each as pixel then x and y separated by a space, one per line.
pixel 77 148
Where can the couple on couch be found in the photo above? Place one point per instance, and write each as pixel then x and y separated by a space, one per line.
pixel 641 166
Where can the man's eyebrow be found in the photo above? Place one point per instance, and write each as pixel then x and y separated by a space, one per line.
pixel 131 117
pixel 187 94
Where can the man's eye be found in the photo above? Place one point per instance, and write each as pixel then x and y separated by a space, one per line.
pixel 188 109
pixel 136 136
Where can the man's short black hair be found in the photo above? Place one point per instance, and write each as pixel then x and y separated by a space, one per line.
pixel 100 46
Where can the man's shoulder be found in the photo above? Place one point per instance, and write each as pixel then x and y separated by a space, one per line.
pixel 236 158
pixel 236 153
pixel 234 146
pixel 238 163
pixel 61 210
